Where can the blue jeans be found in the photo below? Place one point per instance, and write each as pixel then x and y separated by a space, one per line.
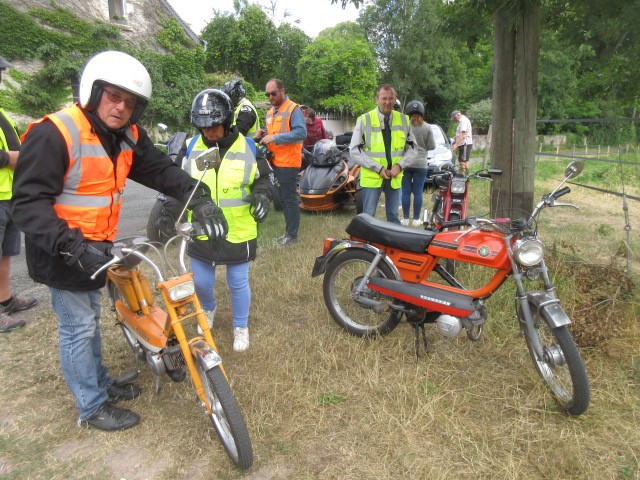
pixel 80 346
pixel 413 183
pixel 204 276
pixel 371 196
pixel 288 180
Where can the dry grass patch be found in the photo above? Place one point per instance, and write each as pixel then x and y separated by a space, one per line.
pixel 321 404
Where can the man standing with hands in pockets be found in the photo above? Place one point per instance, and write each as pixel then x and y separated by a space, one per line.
pixel 383 145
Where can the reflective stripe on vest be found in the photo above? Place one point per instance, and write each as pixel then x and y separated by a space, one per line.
pixel 229 185
pixel 254 128
pixel 374 146
pixel 289 155
pixel 91 196
pixel 6 173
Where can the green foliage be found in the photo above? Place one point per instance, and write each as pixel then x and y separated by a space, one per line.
pixel 246 42
pixel 480 115
pixel 415 56
pixel 292 42
pixel 337 72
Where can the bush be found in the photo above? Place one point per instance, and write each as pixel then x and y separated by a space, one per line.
pixel 480 115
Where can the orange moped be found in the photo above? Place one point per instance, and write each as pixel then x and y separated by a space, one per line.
pixel 155 328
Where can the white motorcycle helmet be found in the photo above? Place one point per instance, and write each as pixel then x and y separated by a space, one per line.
pixel 120 70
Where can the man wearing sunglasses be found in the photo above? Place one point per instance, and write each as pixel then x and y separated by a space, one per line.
pixel 286 130
pixel 67 192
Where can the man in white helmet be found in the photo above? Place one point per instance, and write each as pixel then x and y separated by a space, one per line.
pixel 67 194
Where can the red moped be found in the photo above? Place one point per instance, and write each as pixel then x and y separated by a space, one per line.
pixel 386 272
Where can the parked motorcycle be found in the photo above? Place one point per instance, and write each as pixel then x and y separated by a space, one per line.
pixel 159 335
pixel 451 200
pixel 382 274
pixel 332 179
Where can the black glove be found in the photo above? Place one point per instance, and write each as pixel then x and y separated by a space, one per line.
pixel 210 216
pixel 260 203
pixel 86 256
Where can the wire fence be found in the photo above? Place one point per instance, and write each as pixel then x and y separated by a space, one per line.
pixel 619 155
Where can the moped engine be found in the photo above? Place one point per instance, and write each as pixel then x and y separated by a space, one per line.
pixel 449 326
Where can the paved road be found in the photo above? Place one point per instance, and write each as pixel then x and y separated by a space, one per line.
pixel 138 201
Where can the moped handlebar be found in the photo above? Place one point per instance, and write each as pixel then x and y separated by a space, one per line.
pixel 463 222
pixel 561 192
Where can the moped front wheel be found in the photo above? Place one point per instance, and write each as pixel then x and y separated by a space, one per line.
pixel 341 279
pixel 226 416
pixel 560 366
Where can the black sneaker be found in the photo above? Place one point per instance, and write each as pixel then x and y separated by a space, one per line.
pixel 111 419
pixel 8 324
pixel 123 392
pixel 18 304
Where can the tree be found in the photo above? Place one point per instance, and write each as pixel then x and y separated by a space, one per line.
pixel 414 56
pixel 338 70
pixel 292 42
pixel 245 42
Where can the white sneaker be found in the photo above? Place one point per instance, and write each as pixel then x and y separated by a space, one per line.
pixel 211 314
pixel 240 339
pixel 417 223
pixel 405 222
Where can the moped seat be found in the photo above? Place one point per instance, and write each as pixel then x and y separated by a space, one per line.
pixel 366 227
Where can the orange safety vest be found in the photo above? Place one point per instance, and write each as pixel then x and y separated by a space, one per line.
pixel 289 155
pixel 91 196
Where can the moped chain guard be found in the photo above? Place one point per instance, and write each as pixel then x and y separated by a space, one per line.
pixel 428 297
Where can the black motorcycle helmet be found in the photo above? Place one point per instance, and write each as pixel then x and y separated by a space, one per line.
pixel 325 153
pixel 415 106
pixel 442 181
pixel 211 108
pixel 235 90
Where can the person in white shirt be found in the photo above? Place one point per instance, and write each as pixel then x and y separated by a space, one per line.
pixel 463 139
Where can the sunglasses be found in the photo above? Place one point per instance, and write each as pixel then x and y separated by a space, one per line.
pixel 116 98
pixel 272 94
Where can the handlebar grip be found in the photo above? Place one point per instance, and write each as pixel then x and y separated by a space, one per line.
pixel 455 223
pixel 561 192
pixel 484 175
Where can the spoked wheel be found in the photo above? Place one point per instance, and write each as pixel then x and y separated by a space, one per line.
pixel 561 366
pixel 340 281
pixel 226 417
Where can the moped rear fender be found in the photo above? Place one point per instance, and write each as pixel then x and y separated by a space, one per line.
pixel 322 261
pixel 548 307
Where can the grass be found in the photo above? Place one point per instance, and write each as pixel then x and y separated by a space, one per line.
pixel 321 404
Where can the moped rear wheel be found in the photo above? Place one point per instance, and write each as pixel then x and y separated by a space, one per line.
pixel 226 416
pixel 561 366
pixel 340 281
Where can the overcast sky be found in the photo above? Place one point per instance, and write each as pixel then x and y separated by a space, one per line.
pixel 311 16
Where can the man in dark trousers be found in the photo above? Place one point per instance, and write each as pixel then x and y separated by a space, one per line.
pixel 9 233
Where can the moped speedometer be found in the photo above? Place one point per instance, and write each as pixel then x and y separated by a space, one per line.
pixel 528 251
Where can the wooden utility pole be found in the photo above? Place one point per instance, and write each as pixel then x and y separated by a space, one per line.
pixel 514 107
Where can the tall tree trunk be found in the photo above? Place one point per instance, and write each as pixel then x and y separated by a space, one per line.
pixel 525 112
pixel 502 109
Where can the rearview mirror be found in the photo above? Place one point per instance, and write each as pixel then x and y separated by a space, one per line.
pixel 574 169
pixel 207 159
pixel 163 128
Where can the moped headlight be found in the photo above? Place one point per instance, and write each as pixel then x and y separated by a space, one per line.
pixel 182 291
pixel 528 251
pixel 458 185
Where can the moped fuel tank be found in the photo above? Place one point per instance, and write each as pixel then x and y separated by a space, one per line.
pixel 482 248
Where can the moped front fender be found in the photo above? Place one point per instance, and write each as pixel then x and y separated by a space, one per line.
pixel 548 307
pixel 321 262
